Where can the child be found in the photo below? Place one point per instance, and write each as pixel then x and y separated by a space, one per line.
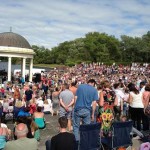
pixel 123 118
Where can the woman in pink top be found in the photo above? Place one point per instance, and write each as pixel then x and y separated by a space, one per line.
pixel 146 100
pixel 146 95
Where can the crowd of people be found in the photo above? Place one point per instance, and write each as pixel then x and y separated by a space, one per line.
pixel 84 93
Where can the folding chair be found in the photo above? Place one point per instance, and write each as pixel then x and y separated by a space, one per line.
pixel 121 135
pixel 48 144
pixel 90 137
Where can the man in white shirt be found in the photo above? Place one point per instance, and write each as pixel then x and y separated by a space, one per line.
pixel 142 86
pixel 120 95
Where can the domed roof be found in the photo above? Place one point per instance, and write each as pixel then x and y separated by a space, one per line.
pixel 11 39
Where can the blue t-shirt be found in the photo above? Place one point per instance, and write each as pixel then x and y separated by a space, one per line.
pixel 23 114
pixel 86 94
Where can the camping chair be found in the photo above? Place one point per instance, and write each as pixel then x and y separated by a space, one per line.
pixel 48 144
pixel 121 135
pixel 90 137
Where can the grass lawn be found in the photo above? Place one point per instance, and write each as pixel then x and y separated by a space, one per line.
pixel 48 65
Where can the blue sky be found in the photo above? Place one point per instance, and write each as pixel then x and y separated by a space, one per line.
pixel 50 22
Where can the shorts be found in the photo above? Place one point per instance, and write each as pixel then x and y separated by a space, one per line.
pixel 66 114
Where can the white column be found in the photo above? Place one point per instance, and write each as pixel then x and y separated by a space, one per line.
pixel 30 69
pixel 9 68
pixel 23 67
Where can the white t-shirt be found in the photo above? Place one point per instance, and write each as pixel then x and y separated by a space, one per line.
pixel 47 107
pixel 126 97
pixel 142 89
pixel 137 100
pixel 49 102
pixel 40 103
pixel 120 96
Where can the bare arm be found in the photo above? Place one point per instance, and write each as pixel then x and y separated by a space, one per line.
pixel 61 88
pixel 62 103
pixel 75 98
pixel 71 103
pixel 101 100
pixel 116 101
pixel 147 100
pixel 121 105
pixel 143 100
pixel 130 99
pixel 93 109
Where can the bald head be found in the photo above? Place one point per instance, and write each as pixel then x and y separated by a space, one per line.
pixel 20 126
pixel 21 130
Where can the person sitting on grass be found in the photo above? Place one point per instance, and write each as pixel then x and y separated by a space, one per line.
pixel 136 132
pixel 39 118
pixel 4 134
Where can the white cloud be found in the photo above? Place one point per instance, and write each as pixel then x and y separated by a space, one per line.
pixel 138 32
pixel 49 22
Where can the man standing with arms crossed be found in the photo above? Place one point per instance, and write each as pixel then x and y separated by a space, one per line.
pixel 86 97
